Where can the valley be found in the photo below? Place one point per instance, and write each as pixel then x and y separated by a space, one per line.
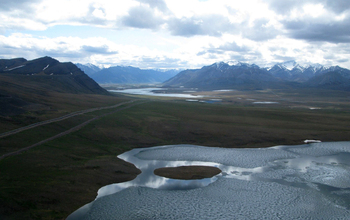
pixel 167 110
pixel 60 136
pixel 55 178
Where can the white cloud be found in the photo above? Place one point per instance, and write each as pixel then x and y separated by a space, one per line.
pixel 186 33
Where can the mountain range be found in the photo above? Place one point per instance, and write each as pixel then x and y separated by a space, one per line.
pixel 250 76
pixel 126 74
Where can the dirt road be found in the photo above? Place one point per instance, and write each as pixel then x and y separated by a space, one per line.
pixel 67 131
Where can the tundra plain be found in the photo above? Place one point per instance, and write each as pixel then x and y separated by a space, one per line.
pixel 51 180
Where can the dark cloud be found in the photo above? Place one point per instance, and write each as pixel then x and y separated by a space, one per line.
pixel 286 6
pixel 338 6
pixel 142 17
pixel 314 30
pixel 212 25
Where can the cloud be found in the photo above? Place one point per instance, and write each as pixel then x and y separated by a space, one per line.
pixel 162 62
pixel 211 25
pixel 260 30
pixel 62 47
pixel 159 4
pixel 343 60
pixel 233 46
pixel 188 33
pixel 15 5
pixel 104 49
pixel 287 6
pixel 317 30
pixel 338 6
pixel 142 17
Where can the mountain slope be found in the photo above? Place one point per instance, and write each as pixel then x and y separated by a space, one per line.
pixel 89 69
pixel 222 75
pixel 60 77
pixel 330 80
pixel 25 85
pixel 292 71
pixel 245 76
pixel 131 75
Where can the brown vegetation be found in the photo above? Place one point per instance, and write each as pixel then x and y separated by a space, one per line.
pixel 187 172
pixel 53 179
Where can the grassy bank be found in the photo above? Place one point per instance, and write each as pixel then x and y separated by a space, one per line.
pixel 54 179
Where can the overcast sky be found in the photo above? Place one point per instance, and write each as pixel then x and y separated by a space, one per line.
pixel 177 33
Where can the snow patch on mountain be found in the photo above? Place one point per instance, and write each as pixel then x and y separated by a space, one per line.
pixel 17 67
pixel 46 67
pixel 289 64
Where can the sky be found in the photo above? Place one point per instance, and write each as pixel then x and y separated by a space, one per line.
pixel 177 33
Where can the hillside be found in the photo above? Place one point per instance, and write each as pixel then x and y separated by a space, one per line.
pixel 126 74
pixel 250 76
pixel 223 76
pixel 24 85
pixel 329 80
pixel 295 72
pixel 89 69
pixel 50 74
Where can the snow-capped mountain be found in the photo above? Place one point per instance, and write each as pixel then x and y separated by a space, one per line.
pixel 293 71
pixel 223 75
pixel 88 68
pixel 250 76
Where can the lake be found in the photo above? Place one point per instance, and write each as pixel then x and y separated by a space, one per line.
pixel 309 181
pixel 151 92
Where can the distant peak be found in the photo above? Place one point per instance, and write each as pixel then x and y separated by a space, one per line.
pixel 222 64
pixel 219 65
pixel 236 63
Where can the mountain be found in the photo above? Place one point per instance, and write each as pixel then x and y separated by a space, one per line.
pixel 131 75
pixel 27 85
pixel 330 80
pixel 292 71
pixel 61 77
pixel 250 76
pixel 89 68
pixel 222 75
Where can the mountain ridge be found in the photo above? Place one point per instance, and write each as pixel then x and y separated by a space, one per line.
pixel 250 76
pixel 126 74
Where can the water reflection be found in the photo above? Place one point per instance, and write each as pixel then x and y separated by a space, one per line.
pixel 150 92
pixel 314 177
pixel 148 179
